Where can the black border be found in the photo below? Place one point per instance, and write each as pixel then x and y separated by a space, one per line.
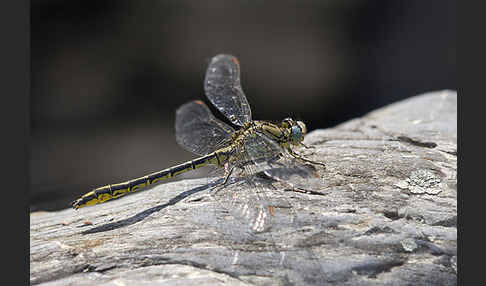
pixel 15 91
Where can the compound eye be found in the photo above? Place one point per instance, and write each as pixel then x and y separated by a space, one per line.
pixel 302 126
pixel 296 133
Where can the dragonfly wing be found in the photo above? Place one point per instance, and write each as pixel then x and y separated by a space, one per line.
pixel 197 130
pixel 252 199
pixel 223 88
pixel 256 205
pixel 260 214
pixel 258 202
pixel 246 203
pixel 296 175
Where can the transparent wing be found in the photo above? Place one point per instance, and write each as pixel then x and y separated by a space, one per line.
pixel 255 209
pixel 259 215
pixel 198 131
pixel 223 89
pixel 247 205
pixel 270 159
pixel 254 204
pixel 255 200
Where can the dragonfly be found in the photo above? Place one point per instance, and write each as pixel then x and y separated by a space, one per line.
pixel 258 151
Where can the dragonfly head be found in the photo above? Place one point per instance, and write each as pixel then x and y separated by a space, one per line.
pixel 297 130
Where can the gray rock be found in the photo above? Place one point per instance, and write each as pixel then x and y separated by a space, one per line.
pixel 386 215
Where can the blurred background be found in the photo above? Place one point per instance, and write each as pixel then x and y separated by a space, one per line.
pixel 107 76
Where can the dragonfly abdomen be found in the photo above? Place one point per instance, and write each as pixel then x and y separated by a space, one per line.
pixel 108 192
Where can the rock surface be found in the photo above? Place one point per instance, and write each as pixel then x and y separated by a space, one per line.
pixel 387 216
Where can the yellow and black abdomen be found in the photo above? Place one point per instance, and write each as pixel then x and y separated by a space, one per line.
pixel 108 192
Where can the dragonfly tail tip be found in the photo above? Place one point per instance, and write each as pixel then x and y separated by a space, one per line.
pixel 75 204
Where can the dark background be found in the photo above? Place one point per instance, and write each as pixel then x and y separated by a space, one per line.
pixel 107 76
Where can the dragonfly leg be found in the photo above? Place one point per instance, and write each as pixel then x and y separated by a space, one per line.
pixel 227 173
pixel 297 156
pixel 307 147
pixel 291 186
